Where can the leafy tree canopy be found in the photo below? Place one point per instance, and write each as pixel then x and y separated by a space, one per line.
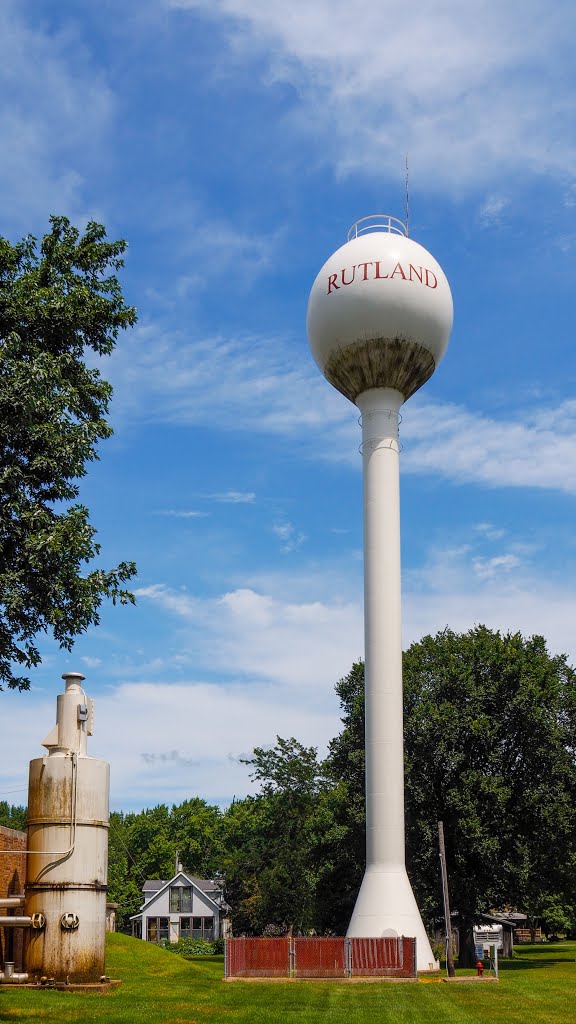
pixel 12 817
pixel 58 300
pixel 489 731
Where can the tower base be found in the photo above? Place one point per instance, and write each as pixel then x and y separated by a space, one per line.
pixel 386 906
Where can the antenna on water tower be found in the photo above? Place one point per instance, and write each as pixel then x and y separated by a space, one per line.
pixel 407 198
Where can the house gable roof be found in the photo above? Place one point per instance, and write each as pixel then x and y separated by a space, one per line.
pixel 182 878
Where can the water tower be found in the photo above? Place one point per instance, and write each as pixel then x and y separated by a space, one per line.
pixel 379 319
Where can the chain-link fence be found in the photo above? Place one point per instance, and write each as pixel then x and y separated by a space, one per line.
pixel 315 957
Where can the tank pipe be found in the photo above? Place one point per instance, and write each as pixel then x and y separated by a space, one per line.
pixel 14 978
pixel 11 901
pixel 15 922
pixel 62 854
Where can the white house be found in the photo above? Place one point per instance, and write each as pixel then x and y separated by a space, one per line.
pixel 183 907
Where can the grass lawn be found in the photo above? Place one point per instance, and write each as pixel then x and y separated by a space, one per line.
pixel 539 985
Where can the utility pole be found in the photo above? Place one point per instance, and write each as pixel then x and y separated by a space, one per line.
pixel 449 948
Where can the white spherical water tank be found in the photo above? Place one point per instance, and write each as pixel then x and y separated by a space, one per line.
pixel 380 311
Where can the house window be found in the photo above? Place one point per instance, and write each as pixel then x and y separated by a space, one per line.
pixel 197 927
pixel 181 899
pixel 157 929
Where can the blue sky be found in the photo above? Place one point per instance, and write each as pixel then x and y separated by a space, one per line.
pixel 233 143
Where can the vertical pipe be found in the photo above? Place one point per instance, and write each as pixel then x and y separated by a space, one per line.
pixel 383 628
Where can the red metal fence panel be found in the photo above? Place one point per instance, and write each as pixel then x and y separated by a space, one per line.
pixel 257 958
pixel 382 957
pixel 320 957
pixel 316 957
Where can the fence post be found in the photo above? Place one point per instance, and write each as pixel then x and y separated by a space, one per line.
pixel 225 958
pixel 348 957
pixel 291 957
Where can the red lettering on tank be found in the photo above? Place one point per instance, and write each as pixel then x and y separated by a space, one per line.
pixel 365 265
pixel 398 270
pixel 416 274
pixel 332 283
pixel 378 275
pixel 429 274
pixel 342 272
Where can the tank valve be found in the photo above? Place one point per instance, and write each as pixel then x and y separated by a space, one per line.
pixel 69 922
pixel 38 922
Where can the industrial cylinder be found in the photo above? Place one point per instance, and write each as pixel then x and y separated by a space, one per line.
pixel 67 861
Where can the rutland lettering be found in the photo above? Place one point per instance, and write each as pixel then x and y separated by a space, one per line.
pixel 373 270
pixel 365 266
pixel 398 270
pixel 332 283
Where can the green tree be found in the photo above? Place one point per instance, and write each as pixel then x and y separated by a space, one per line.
pixel 345 764
pixel 12 816
pixel 58 301
pixel 490 727
pixel 272 841
pixel 196 830
pixel 553 916
pixel 125 877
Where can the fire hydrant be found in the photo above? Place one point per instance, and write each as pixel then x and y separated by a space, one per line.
pixel 480 968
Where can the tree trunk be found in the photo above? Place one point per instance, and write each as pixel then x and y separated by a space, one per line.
pixel 467 954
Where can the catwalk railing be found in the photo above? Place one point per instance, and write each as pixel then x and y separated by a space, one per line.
pixel 314 957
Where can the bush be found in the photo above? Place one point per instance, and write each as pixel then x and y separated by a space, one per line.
pixel 192 947
pixel 218 946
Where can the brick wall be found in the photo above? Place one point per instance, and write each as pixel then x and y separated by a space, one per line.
pixel 12 878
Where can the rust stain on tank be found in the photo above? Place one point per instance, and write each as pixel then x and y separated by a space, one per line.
pixel 380 363
pixel 49 795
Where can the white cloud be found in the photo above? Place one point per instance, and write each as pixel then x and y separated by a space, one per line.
pixel 489 531
pixel 468 90
pixel 261 636
pixel 215 247
pixel 290 537
pixel 492 209
pixel 176 514
pixel 235 497
pixel 445 592
pixel 258 385
pixel 488 568
pixel 91 662
pixel 536 449
pixel 55 115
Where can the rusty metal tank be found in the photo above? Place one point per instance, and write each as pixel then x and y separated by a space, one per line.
pixel 67 863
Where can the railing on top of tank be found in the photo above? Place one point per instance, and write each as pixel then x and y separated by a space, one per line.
pixel 377 222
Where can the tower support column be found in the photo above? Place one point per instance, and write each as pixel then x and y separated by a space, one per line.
pixel 385 903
